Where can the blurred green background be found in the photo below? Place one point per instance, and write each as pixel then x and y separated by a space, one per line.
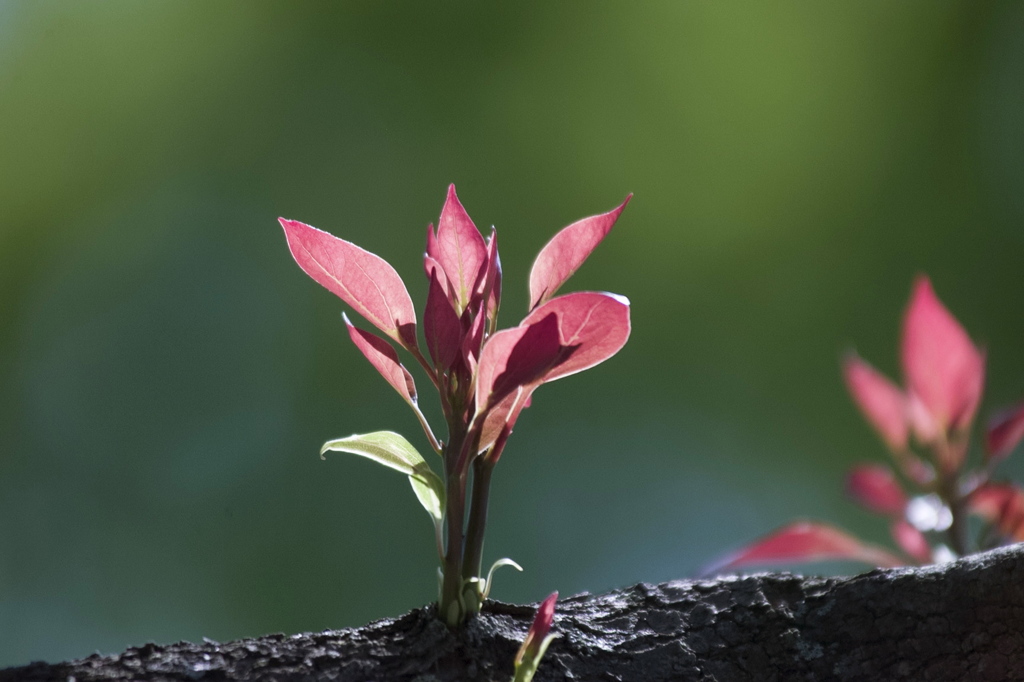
pixel 167 373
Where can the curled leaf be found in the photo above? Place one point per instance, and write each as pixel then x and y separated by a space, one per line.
pixel 565 253
pixel 488 281
pixel 1004 432
pixel 881 401
pixel 942 366
pixel 395 452
pixel 806 541
pixel 364 280
pixel 488 583
pixel 384 358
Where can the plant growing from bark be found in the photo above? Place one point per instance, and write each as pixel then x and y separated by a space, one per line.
pixel 537 640
pixel 926 425
pixel 484 377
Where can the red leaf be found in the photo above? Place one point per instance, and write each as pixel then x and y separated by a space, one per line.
pixel 875 488
pixel 803 542
pixel 385 359
pixel 490 277
pixel 881 401
pixel 566 251
pixel 911 540
pixel 460 249
pixel 441 325
pixel 503 413
pixel 363 280
pixel 597 324
pixel 516 357
pixel 432 249
pixel 1001 504
pixel 1004 432
pixel 942 365
pixel 538 631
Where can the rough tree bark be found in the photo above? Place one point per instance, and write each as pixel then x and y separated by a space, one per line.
pixel 959 621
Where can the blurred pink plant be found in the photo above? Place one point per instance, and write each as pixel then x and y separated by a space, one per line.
pixel 926 425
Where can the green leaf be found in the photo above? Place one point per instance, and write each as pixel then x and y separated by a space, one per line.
pixel 430 491
pixel 485 589
pixel 395 452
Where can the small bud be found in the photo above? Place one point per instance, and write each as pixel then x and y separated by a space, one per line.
pixel 536 642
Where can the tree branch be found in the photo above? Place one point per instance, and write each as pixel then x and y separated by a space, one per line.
pixel 958 621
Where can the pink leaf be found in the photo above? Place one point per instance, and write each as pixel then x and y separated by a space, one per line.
pixel 911 540
pixel 566 251
pixel 1001 504
pixel 490 277
pixel 881 401
pixel 923 424
pixel 385 359
pixel 460 249
pixel 806 541
pixel 538 632
pixel 516 357
pixel 432 249
pixel 597 324
pixel 1004 432
pixel 473 321
pixel 875 488
pixel 441 326
pixel 363 280
pixel 942 365
pixel 500 416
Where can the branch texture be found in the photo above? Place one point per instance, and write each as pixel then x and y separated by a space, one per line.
pixel 958 621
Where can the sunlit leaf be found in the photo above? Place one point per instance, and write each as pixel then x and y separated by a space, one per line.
pixel 881 401
pixel 384 358
pixel 516 357
pixel 566 251
pixel 805 542
pixel 460 248
pixel 942 366
pixel 595 324
pixel 875 488
pixel 1005 432
pixel 363 280
pixel 430 492
pixel 395 452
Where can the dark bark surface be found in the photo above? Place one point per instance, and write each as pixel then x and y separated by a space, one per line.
pixel 958 621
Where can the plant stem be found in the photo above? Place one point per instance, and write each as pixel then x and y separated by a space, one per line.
pixel 958 527
pixel 471 564
pixel 450 607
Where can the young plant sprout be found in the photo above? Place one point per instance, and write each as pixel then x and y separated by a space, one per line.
pixel 537 640
pixel 926 425
pixel 484 378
